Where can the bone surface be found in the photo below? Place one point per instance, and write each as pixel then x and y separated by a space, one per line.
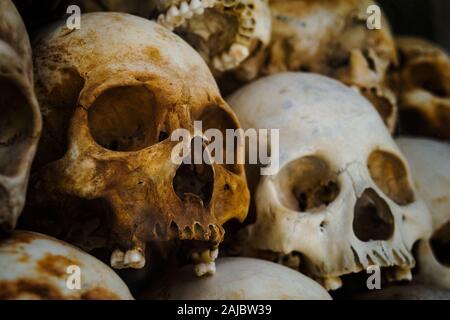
pixel 37 267
pixel 20 120
pixel 242 279
pixel 343 196
pixel 113 183
pixel 430 163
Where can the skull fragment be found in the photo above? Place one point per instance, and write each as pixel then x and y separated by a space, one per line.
pixel 38 267
pixel 104 172
pixel 423 87
pixel 430 162
pixel 20 120
pixel 332 38
pixel 343 198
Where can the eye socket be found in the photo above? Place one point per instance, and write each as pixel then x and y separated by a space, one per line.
pixel 124 119
pixel 390 175
pixel 440 244
pixel 16 125
pixel 307 184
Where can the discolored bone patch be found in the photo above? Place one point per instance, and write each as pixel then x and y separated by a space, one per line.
pixel 98 293
pixel 55 265
pixel 29 289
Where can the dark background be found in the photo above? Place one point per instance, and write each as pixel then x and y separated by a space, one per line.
pixel 425 18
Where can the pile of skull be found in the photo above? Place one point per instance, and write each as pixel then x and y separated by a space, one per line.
pixel 85 154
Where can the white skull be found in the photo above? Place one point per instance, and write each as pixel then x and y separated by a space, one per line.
pixel 343 197
pixel 240 279
pixel 34 266
pixel 430 163
pixel 20 121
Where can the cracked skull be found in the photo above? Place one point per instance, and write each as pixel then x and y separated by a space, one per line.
pixel 430 162
pixel 423 87
pixel 342 199
pixel 332 38
pixel 104 172
pixel 20 121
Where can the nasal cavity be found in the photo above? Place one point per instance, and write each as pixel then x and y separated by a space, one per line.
pixel 373 219
pixel 194 182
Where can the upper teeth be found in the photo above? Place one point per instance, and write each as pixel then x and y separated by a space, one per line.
pixel 239 49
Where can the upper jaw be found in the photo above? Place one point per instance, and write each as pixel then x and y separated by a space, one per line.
pixel 239 49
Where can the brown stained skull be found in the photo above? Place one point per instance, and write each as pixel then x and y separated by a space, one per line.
pixel 20 120
pixel 330 38
pixel 105 175
pixel 423 87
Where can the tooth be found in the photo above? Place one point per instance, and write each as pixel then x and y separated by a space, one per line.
pixel 239 51
pixel 185 11
pixel 214 254
pixel 134 259
pixel 209 3
pixel 173 16
pixel 332 283
pixel 195 4
pixel 199 11
pixel 117 259
pixel 162 21
pixel 202 269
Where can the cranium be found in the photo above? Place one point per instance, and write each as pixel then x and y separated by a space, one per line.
pixel 332 38
pixel 430 162
pixel 423 86
pixel 20 121
pixel 117 99
pixel 34 266
pixel 343 198
pixel 236 279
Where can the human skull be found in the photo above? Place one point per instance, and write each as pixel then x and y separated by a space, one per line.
pixel 224 32
pixel 332 38
pixel 342 199
pixel 112 183
pixel 236 279
pixel 430 162
pixel 37 267
pixel 20 120
pixel 423 87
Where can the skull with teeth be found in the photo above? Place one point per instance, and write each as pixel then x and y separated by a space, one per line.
pixel 20 120
pixel 423 86
pixel 227 33
pixel 224 32
pixel 332 38
pixel 430 161
pixel 342 199
pixel 104 172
